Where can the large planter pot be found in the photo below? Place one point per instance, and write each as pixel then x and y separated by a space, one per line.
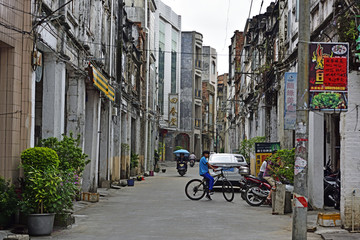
pixel 40 224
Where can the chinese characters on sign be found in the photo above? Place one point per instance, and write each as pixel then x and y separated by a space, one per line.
pixel 173 110
pixel 290 101
pixel 262 151
pixel 328 76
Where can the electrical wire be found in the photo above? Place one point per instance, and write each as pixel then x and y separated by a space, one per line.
pixel 16 9
pixel 14 28
pixel 227 24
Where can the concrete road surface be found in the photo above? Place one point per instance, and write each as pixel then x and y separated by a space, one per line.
pixel 158 208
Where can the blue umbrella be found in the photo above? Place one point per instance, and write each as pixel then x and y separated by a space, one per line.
pixel 186 152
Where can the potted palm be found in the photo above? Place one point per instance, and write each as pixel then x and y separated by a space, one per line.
pixel 41 198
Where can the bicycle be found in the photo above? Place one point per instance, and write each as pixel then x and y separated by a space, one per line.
pixel 195 189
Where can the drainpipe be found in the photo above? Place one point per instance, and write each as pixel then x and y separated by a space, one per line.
pixel 110 128
pixel 147 85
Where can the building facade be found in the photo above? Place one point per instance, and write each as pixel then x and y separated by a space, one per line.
pixel 16 84
pixel 191 92
pixel 209 97
pixel 168 50
pixel 269 54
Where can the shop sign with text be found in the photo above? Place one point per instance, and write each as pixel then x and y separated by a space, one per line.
pixel 328 76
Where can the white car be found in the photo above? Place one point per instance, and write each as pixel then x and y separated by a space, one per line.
pixel 233 164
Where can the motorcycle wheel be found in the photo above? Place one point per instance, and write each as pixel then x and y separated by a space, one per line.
pixel 182 172
pixel 251 198
pixel 243 192
pixel 195 189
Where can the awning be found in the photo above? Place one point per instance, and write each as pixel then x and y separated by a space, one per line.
pixel 101 83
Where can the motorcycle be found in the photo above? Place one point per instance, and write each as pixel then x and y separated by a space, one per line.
pixel 182 167
pixel 192 162
pixel 331 187
pixel 246 182
pixel 256 194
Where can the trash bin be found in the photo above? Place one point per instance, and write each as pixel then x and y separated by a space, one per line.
pixel 130 182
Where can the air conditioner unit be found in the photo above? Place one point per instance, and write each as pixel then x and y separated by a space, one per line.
pixel 114 111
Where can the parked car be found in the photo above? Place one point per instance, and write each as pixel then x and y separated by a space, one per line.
pixel 234 165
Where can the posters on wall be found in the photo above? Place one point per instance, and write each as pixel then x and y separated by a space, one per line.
pixel 328 76
pixel 290 101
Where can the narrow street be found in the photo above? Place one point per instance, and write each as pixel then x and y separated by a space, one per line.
pixel 158 208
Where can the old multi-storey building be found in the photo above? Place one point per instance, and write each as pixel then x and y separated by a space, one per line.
pixel 168 49
pixel 90 74
pixel 235 70
pixel 143 12
pixel 190 93
pixel 209 97
pixel 16 84
pixel 222 138
pixel 269 56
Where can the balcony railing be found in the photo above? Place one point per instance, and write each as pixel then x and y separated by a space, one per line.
pixel 197 93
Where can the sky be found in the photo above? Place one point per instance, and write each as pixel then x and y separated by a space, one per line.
pixel 216 20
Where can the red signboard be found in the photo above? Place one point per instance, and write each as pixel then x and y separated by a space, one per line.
pixel 328 76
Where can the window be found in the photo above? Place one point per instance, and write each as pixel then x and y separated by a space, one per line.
pixel 174 39
pixel 213 67
pixel 161 65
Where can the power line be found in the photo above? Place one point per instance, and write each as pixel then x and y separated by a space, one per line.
pixel 16 9
pixel 227 23
pixel 14 28
pixel 250 9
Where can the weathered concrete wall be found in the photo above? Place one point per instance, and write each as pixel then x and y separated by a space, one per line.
pixel 187 82
pixel 316 159
pixel 349 159
pixel 90 176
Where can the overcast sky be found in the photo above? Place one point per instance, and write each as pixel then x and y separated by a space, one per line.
pixel 216 20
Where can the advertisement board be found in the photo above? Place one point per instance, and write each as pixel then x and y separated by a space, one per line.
pixel 328 76
pixel 262 151
pixel 290 101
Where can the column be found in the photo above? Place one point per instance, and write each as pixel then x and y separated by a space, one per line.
pixel 53 117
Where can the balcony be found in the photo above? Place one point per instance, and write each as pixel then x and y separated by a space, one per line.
pixel 197 123
pixel 197 93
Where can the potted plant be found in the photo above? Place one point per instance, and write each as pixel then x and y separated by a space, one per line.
pixel 41 198
pixel 71 166
pixel 8 202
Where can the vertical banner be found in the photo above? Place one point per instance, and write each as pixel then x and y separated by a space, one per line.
pixel 262 151
pixel 173 110
pixel 290 101
pixel 328 76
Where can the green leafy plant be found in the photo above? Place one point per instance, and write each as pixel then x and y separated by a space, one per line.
pixel 70 154
pixel 178 148
pixel 327 100
pixel 125 148
pixel 283 162
pixel 134 160
pixel 247 146
pixel 41 180
pixel 8 198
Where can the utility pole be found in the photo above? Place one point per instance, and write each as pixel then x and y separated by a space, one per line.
pixel 299 225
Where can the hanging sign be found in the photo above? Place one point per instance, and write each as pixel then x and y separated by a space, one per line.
pixel 290 101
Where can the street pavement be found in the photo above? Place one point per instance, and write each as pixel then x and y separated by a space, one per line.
pixel 158 208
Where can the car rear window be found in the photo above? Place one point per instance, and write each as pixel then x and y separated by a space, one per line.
pixel 222 159
pixel 239 159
